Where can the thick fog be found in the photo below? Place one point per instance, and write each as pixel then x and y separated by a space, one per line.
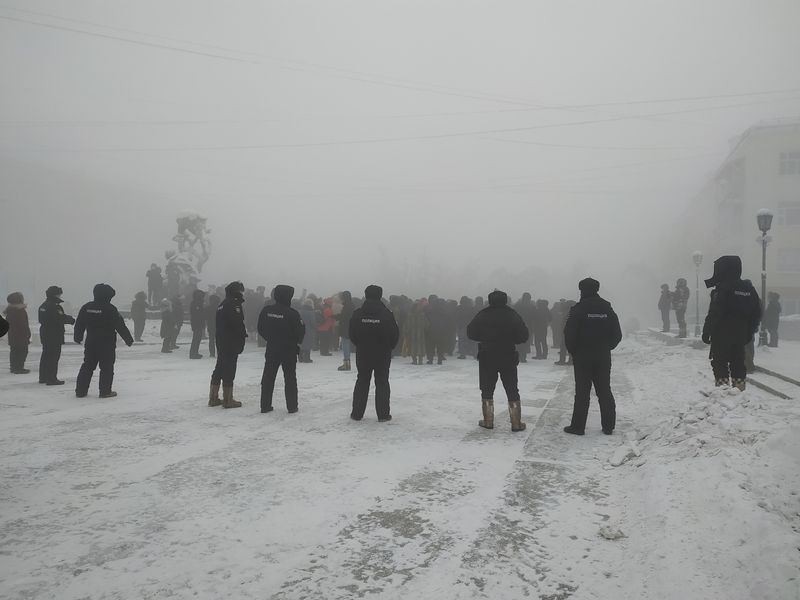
pixel 446 147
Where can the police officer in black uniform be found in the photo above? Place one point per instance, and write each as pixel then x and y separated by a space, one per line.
pixel 592 331
pixel 283 329
pixel 498 329
pixel 733 318
pixel 374 333
pixel 51 332
pixel 197 319
pixel 231 336
pixel 101 322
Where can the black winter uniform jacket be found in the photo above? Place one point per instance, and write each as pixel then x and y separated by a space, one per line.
pixel 734 312
pixel 498 328
pixel 100 321
pixel 592 329
pixel 280 324
pixel 231 333
pixel 373 328
pixel 51 322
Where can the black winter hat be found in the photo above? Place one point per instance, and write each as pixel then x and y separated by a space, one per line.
pixel 589 286
pixel 235 288
pixel 498 298
pixel 54 291
pixel 373 292
pixel 141 296
pixel 283 294
pixel 103 292
pixel 726 268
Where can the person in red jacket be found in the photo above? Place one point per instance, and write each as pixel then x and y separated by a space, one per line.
pixel 325 329
pixel 19 334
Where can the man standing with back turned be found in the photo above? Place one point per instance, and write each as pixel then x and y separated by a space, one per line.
pixel 591 333
pixel 498 329
pixel 374 332
pixel 283 329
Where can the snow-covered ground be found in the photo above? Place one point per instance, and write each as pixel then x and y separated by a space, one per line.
pixel 155 495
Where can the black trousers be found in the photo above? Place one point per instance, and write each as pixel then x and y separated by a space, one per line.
pixel 665 325
pixel 225 369
pixel 489 367
pixel 680 317
pixel 434 347
pixel 138 329
pixel 728 360
pixel 48 363
pixel 773 337
pixel 369 363
pixel 286 360
pixel 16 357
pixel 197 337
pixel 593 371
pixel 212 343
pixel 540 341
pixel 105 357
pixel 325 338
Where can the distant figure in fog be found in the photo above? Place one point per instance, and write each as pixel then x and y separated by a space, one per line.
pixel 19 336
pixel 197 319
pixel 680 301
pixel 527 310
pixel 309 318
pixel 498 329
pixel 231 338
pixel 343 319
pixel 591 333
pixel 541 322
pixel 155 284
pixel 51 333
pixel 374 332
pixel 665 306
pixel 139 308
pixel 100 321
pixel 772 318
pixel 414 332
pixel 167 327
pixel 178 313
pixel 211 323
pixel 734 314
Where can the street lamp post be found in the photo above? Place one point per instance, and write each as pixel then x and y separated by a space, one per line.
pixel 764 220
pixel 697 256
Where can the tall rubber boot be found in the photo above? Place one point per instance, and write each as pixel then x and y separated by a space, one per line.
pixel 515 412
pixel 487 422
pixel 227 398
pixel 213 395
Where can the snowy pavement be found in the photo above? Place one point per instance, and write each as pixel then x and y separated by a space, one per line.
pixel 155 495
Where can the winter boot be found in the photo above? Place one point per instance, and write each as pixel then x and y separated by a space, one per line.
pixel 413 360
pixel 308 356
pixel 741 384
pixel 227 398
pixel 213 395
pixel 487 422
pixel 515 412
pixel 55 382
pixel 108 395
pixel 722 381
pixel 345 366
pixel 573 430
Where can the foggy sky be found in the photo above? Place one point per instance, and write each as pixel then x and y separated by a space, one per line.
pixel 430 146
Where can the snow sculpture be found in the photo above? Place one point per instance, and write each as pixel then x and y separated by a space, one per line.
pixel 185 264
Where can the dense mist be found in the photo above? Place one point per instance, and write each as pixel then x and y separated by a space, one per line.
pixel 432 147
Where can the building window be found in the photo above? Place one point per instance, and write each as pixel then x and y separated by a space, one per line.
pixel 789 260
pixel 788 213
pixel 790 163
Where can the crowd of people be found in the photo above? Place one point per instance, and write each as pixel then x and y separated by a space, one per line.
pixel 427 330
